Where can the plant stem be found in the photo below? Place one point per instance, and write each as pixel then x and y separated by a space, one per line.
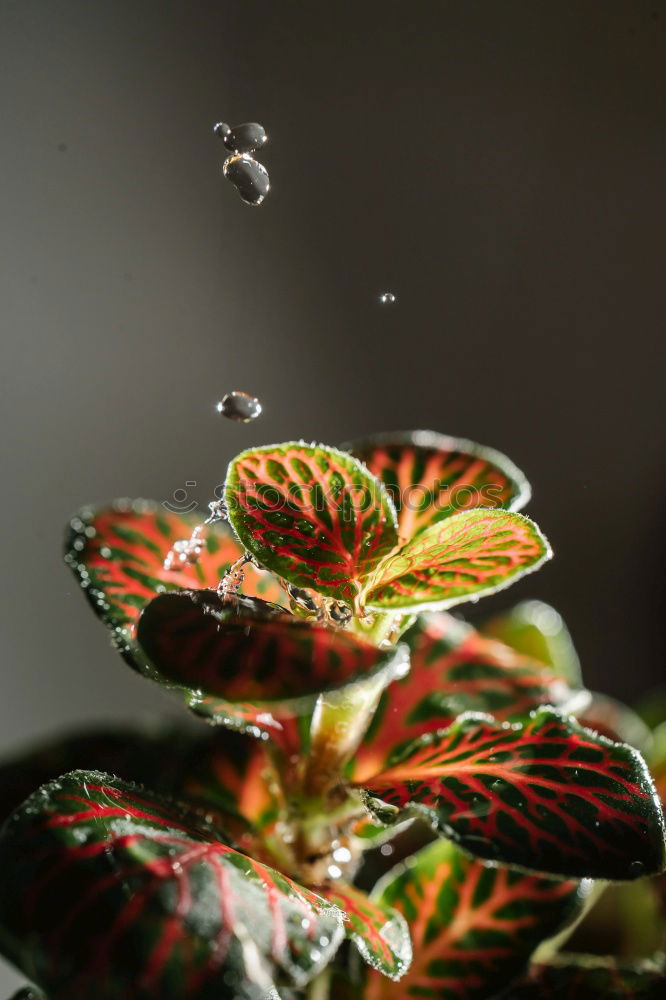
pixel 320 987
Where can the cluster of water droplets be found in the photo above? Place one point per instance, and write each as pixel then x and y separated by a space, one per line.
pixel 317 608
pixel 249 177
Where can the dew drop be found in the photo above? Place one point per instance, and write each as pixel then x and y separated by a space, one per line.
pixel 239 406
pixel 386 299
pixel 248 176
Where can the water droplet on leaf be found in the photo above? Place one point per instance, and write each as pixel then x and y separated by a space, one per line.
pixel 248 176
pixel 239 406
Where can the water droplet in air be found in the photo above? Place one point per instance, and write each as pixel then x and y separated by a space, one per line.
pixel 245 138
pixel 387 299
pixel 239 406
pixel 636 869
pixel 342 855
pixel 386 850
pixel 334 871
pixel 248 176
pixel 221 129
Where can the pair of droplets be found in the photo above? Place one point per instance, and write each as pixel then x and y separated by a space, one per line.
pixel 249 177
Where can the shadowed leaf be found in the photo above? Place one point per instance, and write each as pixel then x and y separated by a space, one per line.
pixel 590 977
pixel 104 885
pixel 311 514
pixel 454 669
pixel 430 476
pixel 546 795
pixel 474 928
pixel 378 930
pixel 244 650
pixel 537 630
pixel 469 554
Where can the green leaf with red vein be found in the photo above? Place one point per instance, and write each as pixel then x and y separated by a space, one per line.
pixel 537 630
pixel 311 514
pixel 245 650
pixel 454 669
pixel 470 554
pixel 431 476
pixel 547 795
pixel 103 885
pixel 473 927
pixel 117 553
pixel 223 773
pixel 379 931
pixel 593 977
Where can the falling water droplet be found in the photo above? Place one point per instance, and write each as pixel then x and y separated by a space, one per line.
pixel 245 138
pixel 386 850
pixel 248 176
pixel 222 130
pixel 387 298
pixel 239 406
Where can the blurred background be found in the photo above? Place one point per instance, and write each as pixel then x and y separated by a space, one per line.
pixel 497 167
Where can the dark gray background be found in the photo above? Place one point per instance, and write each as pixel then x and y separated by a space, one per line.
pixel 498 166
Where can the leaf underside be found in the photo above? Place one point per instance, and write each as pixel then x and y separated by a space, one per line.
pixel 469 554
pixel 378 930
pixel 430 476
pixel 104 885
pixel 473 927
pixel 454 669
pixel 546 795
pixel 312 515
pixel 244 650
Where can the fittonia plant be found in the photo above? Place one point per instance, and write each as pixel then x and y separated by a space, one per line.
pixel 357 723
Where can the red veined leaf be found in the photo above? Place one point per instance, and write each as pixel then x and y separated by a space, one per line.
pixel 431 476
pixel 469 554
pixel 118 552
pixel 378 930
pixel 454 669
pixel 225 775
pixel 247 650
pixel 473 927
pixel 311 514
pixel 593 977
pixel 537 630
pixel 547 795
pixel 104 885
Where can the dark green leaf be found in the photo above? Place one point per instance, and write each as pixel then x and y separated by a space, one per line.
pixel 102 885
pixel 546 795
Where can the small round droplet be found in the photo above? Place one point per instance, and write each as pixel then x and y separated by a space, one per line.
pixel 222 130
pixel 245 138
pixel 636 869
pixel 338 613
pixel 239 406
pixel 248 176
pixel 387 299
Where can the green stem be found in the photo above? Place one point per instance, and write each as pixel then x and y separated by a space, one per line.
pixel 320 987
